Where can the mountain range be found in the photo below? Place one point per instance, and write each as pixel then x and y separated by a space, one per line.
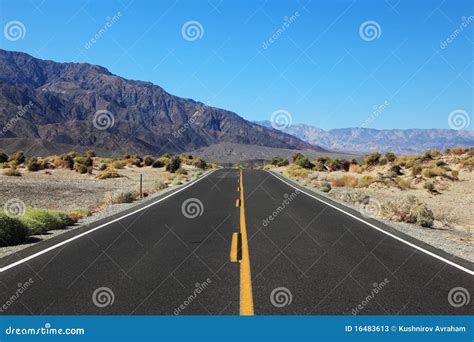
pixel 85 105
pixel 364 140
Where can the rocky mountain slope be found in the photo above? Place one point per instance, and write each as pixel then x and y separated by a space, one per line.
pixel 86 105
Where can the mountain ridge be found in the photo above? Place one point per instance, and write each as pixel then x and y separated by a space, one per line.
pixel 67 99
pixel 365 140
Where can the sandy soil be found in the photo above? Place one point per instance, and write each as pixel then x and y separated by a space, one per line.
pixel 66 190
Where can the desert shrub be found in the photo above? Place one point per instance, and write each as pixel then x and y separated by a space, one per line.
pixel 86 161
pixel 365 181
pixel 148 160
pixel 90 154
pixel 390 157
pixel 3 157
pixel 355 168
pixel 457 151
pixel 119 164
pixel 135 162
pixel 302 161
pixel 68 161
pixel 432 172
pixel 80 168
pixel 181 171
pixel 348 181
pixel 158 163
pixel 296 171
pixel 373 159
pixel 81 212
pixel 455 174
pixel 174 164
pixel 119 196
pixel 280 161
pixel 108 173
pixel 18 157
pixel 319 165
pixel 416 169
pixel 40 220
pixel 200 163
pixel 12 230
pixel 430 186
pixel 409 210
pixel 396 169
pixel 12 172
pixel 33 164
pixel 102 167
pixel 404 184
pixel 325 187
pixel 355 197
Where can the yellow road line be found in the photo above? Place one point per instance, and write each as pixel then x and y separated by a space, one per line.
pixel 234 248
pixel 246 296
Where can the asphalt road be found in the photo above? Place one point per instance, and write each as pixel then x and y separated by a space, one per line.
pixel 173 257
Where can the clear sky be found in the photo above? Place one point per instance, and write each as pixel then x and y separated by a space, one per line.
pixel 320 67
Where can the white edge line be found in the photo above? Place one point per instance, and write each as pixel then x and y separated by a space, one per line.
pixel 21 261
pixel 462 268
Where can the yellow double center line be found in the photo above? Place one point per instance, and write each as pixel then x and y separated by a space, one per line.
pixel 246 296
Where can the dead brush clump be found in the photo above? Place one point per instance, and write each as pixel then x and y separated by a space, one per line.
pixel 346 181
pixel 408 209
pixel 108 173
pixel 118 197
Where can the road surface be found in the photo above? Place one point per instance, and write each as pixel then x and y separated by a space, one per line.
pixel 171 256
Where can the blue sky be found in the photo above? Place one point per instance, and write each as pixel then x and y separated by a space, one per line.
pixel 318 68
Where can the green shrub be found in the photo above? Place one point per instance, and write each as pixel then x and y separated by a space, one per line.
pixel 302 161
pixel 12 231
pixel 296 171
pixel 280 161
pixel 174 164
pixel 81 168
pixel 409 210
pixel 158 163
pixel 390 157
pixel 68 161
pixel 433 172
pixel 430 186
pixel 40 220
pixel 416 169
pixel 325 187
pixel 12 172
pixel 200 163
pixel 181 171
pixel 373 159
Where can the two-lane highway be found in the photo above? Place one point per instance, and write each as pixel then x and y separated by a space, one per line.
pixel 172 256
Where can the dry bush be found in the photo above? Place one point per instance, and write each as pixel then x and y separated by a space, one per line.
pixel 365 181
pixel 409 210
pixel 455 174
pixel 297 171
pixel 108 173
pixel 119 164
pixel 404 184
pixel 12 172
pixel 347 180
pixel 355 168
pixel 119 196
pixel 433 172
